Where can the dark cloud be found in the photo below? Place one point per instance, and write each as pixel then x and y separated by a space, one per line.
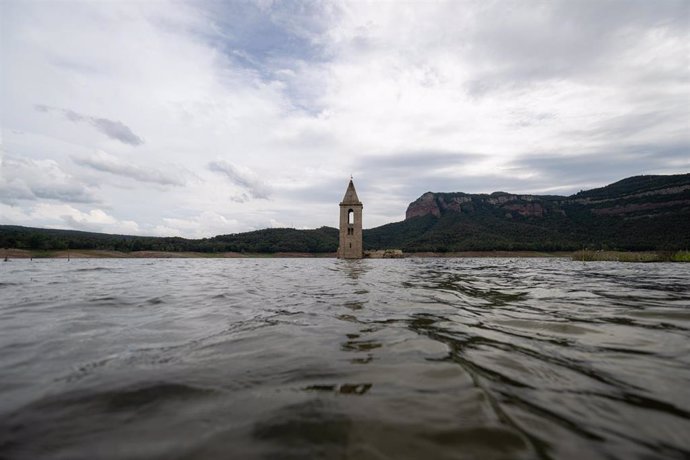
pixel 242 178
pixel 387 195
pixel 325 192
pixel 256 35
pixel 414 161
pixel 623 126
pixel 615 15
pixel 403 178
pixel 116 130
pixel 409 189
pixel 544 174
pixel 396 179
pixel 273 41
pixel 602 167
pixel 406 175
pixel 11 193
pixel 64 192
pixel 526 43
pixel 110 164
pixel 113 129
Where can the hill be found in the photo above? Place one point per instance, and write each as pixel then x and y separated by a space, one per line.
pixel 637 213
pixel 320 240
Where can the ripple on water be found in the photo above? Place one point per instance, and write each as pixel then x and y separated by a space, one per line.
pixel 320 358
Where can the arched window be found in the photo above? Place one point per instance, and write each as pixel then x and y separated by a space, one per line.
pixel 350 217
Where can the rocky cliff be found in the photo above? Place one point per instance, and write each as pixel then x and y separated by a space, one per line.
pixel 637 213
pixel 632 197
pixel 436 204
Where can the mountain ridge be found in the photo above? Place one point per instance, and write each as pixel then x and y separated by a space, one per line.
pixel 635 213
pixel 629 188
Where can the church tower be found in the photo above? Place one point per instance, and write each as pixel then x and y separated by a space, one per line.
pixel 350 225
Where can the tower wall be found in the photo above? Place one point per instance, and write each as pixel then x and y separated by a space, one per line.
pixel 350 233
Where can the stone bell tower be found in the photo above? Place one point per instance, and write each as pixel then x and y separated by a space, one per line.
pixel 350 225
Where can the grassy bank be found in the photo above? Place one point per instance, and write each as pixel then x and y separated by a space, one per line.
pixel 621 256
pixel 498 254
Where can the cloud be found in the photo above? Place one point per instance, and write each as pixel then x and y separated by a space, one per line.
pixel 414 162
pixel 116 130
pixel 577 172
pixel 54 215
pixel 97 220
pixel 242 177
pixel 102 161
pixel 473 96
pixel 199 226
pixel 523 44
pixel 31 180
pixel 113 129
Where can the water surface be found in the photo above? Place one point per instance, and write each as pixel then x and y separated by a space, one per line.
pixel 322 358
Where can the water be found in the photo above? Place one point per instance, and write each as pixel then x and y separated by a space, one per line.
pixel 321 358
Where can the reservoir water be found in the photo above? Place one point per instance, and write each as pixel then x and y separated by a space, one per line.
pixel 323 358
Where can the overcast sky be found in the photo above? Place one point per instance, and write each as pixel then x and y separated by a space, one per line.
pixel 202 118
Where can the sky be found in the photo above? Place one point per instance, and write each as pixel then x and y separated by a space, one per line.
pixel 193 119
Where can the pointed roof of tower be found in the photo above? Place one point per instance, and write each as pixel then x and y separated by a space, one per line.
pixel 351 195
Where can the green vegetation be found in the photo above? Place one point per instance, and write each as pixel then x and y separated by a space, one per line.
pixel 634 185
pixel 681 256
pixel 324 239
pixel 320 240
pixel 42 254
pixel 620 256
pixel 642 214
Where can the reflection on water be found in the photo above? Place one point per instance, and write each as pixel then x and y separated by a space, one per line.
pixel 354 268
pixel 277 358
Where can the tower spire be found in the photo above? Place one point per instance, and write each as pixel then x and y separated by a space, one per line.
pixel 351 194
pixel 350 225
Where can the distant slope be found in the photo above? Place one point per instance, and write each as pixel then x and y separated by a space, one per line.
pixel 322 239
pixel 637 213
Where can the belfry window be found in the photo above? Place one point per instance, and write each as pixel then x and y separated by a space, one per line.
pixel 350 217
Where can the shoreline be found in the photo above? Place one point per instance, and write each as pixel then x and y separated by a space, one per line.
pixel 584 256
pixel 106 254
pixel 490 254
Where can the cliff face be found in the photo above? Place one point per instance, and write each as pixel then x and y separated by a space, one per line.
pixel 424 205
pixel 437 204
pixel 638 213
pixel 633 197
